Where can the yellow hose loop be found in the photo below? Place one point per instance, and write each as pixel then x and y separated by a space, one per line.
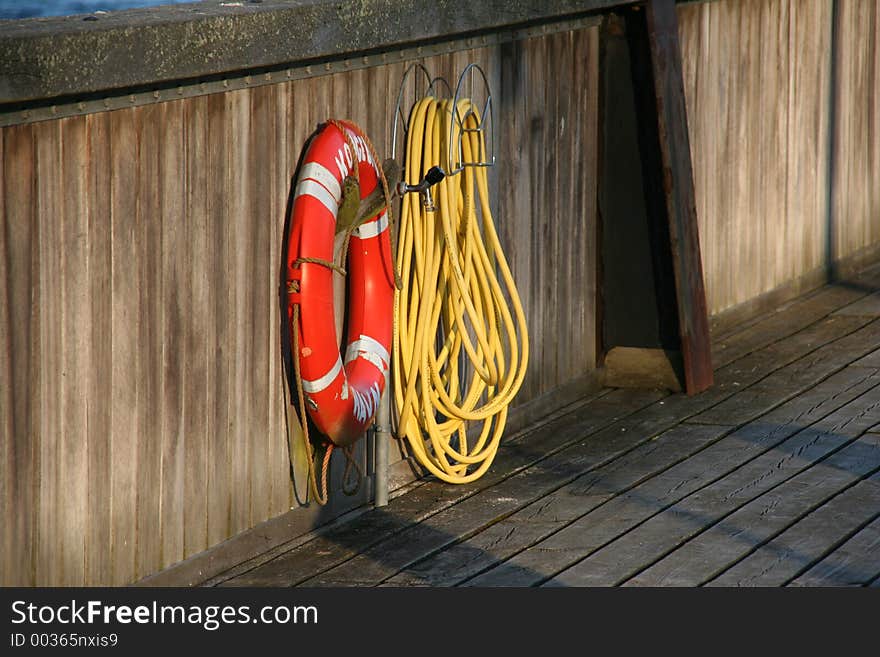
pixel 460 351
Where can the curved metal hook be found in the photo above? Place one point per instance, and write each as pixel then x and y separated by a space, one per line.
pixel 486 157
pixel 398 111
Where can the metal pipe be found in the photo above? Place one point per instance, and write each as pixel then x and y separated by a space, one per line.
pixel 382 433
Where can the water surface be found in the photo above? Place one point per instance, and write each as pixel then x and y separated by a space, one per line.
pixel 33 8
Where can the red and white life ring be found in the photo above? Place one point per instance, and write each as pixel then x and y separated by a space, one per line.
pixel 341 394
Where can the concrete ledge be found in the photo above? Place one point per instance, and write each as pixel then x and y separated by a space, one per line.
pixel 45 58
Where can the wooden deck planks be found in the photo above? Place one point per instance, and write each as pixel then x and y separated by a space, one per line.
pixel 785 321
pixel 419 538
pixel 724 543
pixel 779 560
pixel 570 502
pixel 485 509
pixel 798 376
pixel 854 563
pixel 662 533
pixel 643 423
pixel 598 531
pixel 551 512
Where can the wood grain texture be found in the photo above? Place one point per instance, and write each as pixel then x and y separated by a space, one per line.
pixel 540 518
pixel 124 345
pixel 143 415
pixel 148 332
pixel 737 523
pixel 433 498
pixel 19 351
pixel 678 187
pixel 100 366
pixel 50 507
pixel 567 504
pixel 613 563
pixel 787 537
pixel 757 83
pixel 856 158
pixel 666 531
pixel 590 532
pixel 74 316
pixel 198 424
pixel 846 565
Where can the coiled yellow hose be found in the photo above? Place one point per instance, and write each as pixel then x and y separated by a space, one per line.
pixel 460 354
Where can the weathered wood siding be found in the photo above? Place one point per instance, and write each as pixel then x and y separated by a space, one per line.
pixel 856 159
pixel 141 396
pixel 757 81
pixel 547 198
pixel 141 392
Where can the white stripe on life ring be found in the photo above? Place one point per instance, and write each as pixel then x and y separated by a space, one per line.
pixel 372 228
pixel 317 385
pixel 316 190
pixel 317 171
pixel 370 350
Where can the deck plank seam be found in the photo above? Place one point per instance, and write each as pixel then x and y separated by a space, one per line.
pixel 719 572
pixel 676 501
pixel 636 572
pixel 661 510
pixel 849 535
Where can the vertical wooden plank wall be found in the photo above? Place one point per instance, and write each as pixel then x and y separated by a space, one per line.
pixel 141 394
pixel 547 198
pixel 140 385
pixel 856 187
pixel 757 83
